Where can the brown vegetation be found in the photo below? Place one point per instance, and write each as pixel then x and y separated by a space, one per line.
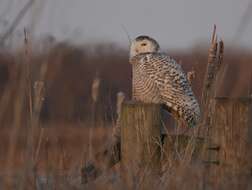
pixel 61 127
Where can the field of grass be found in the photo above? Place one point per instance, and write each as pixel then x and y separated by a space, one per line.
pixel 49 119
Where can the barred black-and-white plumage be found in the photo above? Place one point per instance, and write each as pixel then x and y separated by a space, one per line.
pixel 157 78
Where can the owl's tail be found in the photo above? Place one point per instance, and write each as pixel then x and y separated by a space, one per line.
pixel 190 115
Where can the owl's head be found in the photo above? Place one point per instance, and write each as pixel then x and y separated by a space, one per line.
pixel 143 44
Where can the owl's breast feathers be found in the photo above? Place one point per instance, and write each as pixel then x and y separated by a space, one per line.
pixel 157 78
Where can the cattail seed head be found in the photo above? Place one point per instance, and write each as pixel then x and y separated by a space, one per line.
pixel 95 89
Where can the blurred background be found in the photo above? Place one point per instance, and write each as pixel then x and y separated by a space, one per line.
pixel 62 64
pixel 80 40
pixel 175 24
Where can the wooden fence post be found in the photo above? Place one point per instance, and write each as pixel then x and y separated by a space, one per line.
pixel 140 137
pixel 230 144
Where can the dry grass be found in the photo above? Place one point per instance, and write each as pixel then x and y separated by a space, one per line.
pixel 48 111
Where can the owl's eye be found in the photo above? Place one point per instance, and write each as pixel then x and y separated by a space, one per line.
pixel 143 44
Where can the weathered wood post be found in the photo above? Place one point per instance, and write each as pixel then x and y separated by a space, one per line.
pixel 230 147
pixel 140 137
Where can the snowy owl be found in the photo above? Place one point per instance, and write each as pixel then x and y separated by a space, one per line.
pixel 157 78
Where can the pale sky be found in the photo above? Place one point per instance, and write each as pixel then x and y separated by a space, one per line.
pixel 174 23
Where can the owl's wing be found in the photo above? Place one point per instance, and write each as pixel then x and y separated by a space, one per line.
pixel 175 90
